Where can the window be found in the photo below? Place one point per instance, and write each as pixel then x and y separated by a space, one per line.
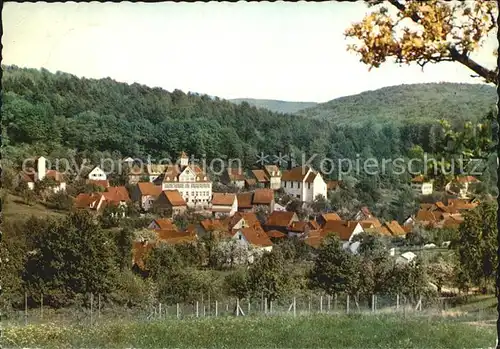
pixel 291 185
pixel 309 185
pixel 284 184
pixel 298 185
pixel 239 237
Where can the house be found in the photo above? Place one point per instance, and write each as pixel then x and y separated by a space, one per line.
pixel 420 186
pixel 256 240
pixel 345 230
pixel 171 200
pixel 426 218
pixel 250 183
pixel 325 217
pixel 145 193
pixel 303 183
pixel 244 220
pixel 245 202
pixel 275 235
pixel 406 258
pixel 300 228
pixel 91 202
pixel 280 221
pixel 208 226
pixel 118 194
pixel 461 186
pixel 273 174
pixel 234 176
pixel 40 172
pixel 263 197
pixel 260 177
pixel 190 180
pixel 224 204
pixel 162 224
pixel 97 174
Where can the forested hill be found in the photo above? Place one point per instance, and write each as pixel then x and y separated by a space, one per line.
pixel 275 105
pixel 417 103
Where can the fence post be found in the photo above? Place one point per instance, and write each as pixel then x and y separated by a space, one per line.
pixel 177 310
pixel 397 301
pixel 373 303
pixel 309 304
pixel 265 305
pixel 347 306
pixel 99 306
pixel 294 307
pixel 329 299
pixel 197 309
pixel 25 308
pixel 159 310
pixel 41 306
pixel 237 307
pixel 270 307
pixel 208 303
pixel 321 304
pixel 216 308
pixel 248 307
pixel 335 303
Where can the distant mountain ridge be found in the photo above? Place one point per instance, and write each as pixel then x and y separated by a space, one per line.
pixel 276 105
pixel 414 103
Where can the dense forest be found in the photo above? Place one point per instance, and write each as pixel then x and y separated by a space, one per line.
pixel 276 105
pixel 418 103
pixel 60 115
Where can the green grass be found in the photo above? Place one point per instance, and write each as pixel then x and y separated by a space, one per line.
pixel 15 208
pixel 261 332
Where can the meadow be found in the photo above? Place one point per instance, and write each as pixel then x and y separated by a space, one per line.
pixel 313 331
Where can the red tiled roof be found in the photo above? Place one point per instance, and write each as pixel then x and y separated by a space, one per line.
pixel 310 178
pixel 270 169
pixel 139 252
pixel 174 197
pixel 263 196
pixel 376 223
pixel 331 217
pixel 332 185
pixel 174 236
pixel 296 174
pixel 281 219
pixel 213 224
pixel 165 224
pixel 298 227
pixel 117 194
pixel 418 179
pixel 467 179
pixel 314 224
pixel 343 229
pixel 425 216
pixel 378 231
pixel 260 176
pixel 395 229
pixel 223 199
pixel 256 238
pixel 245 200
pixel 57 176
pixel 148 188
pixel 275 234
pixel 250 181
pixel 84 200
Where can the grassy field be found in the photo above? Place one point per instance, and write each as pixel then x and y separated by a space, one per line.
pixel 317 331
pixel 15 208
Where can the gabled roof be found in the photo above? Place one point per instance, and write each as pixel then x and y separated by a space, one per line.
pixel 263 196
pixel 331 217
pixel 250 181
pixel 175 236
pixel 174 197
pixel 165 224
pixel 299 227
pixel 310 178
pixel 245 200
pixel 84 200
pixel 343 229
pixel 383 231
pixel 214 225
pixel 467 179
pixel 256 238
pixel 117 194
pixel 425 216
pixel 276 234
pixel 395 229
pixel 315 225
pixel 281 219
pixel 270 169
pixel 332 185
pixel 223 199
pixel 371 221
pixel 260 176
pixel 148 188
pixel 297 174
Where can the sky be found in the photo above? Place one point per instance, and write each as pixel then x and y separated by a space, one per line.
pixel 283 51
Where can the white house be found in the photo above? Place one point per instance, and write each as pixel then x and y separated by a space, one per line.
pixel 97 174
pixel 190 180
pixel 303 183
pixel 345 230
pixel 421 187
pixel 39 172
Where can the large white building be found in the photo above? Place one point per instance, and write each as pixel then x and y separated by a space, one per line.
pixel 190 180
pixel 303 183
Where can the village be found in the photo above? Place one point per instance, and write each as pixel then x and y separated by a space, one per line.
pixel 251 217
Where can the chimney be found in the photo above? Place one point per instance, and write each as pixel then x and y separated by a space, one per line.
pixel 41 169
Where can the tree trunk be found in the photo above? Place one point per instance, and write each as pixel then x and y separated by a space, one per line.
pixel 497 274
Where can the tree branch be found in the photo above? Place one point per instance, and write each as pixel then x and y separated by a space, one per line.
pixel 489 75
